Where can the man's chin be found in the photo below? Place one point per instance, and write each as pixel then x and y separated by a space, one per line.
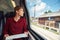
pixel 21 15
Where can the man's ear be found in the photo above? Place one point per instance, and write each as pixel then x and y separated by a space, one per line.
pixel 16 11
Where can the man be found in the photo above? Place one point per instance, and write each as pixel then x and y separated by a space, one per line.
pixel 16 24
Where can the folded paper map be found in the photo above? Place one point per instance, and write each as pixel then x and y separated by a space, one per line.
pixel 16 36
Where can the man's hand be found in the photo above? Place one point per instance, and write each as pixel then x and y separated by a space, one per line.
pixel 26 33
pixel 6 35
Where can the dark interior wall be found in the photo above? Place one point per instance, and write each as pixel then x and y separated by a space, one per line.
pixel 1 24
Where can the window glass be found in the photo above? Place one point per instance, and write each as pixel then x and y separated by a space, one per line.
pixel 45 17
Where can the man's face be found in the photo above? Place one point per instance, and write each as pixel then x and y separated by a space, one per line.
pixel 20 12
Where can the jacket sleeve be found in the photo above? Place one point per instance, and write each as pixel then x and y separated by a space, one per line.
pixel 25 25
pixel 6 26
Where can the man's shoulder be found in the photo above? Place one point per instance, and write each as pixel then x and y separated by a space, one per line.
pixel 23 17
pixel 9 19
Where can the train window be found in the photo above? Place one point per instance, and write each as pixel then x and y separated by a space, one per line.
pixel 43 12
